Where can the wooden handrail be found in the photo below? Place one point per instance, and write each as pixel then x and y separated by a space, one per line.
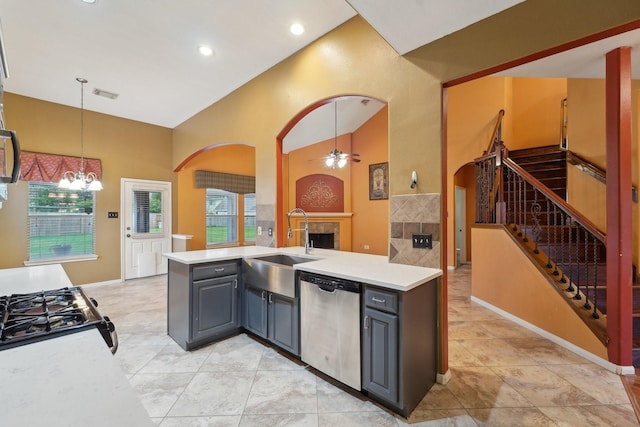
pixel 587 167
pixel 496 129
pixel 562 205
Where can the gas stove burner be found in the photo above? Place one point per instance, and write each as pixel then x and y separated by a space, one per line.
pixel 26 318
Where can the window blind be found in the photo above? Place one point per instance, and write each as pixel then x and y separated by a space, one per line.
pixel 239 184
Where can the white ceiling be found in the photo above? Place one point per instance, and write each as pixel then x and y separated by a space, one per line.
pixel 146 50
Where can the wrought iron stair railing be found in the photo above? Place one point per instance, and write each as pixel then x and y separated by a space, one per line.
pixel 560 239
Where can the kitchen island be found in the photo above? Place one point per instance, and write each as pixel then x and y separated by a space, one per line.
pixel 211 295
pixel 69 380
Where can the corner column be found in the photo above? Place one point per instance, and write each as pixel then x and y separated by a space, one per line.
pixel 619 217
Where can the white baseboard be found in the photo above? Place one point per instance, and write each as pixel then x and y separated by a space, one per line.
pixel 620 370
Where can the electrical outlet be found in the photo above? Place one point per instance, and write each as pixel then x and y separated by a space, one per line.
pixel 112 214
pixel 270 231
pixel 422 241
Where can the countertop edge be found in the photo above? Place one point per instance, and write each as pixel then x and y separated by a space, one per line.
pixel 332 263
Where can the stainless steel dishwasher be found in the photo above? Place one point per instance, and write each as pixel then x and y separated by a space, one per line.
pixel 330 327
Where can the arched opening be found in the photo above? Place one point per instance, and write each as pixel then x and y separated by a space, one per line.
pixel 357 127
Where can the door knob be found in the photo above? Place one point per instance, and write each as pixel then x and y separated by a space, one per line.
pixel 128 235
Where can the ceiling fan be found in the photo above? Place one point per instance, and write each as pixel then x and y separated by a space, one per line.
pixel 335 156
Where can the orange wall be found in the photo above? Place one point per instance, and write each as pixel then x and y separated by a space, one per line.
pixel 236 159
pixel 511 282
pixel 370 221
pixel 587 137
pixel 532 118
pixel 370 224
pixel 535 107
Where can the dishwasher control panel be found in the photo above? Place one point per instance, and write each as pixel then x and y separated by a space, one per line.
pixel 331 284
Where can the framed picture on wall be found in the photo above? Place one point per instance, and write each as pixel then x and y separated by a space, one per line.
pixel 379 181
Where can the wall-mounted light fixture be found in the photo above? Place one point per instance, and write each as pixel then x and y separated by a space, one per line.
pixel 414 179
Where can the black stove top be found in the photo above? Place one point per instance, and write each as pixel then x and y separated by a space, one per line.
pixel 27 318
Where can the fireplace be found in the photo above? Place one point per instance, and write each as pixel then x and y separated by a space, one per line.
pixel 336 224
pixel 322 240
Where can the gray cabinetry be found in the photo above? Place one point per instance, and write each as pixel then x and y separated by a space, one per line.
pixel 202 302
pixel 273 317
pixel 380 354
pixel 283 318
pixel 255 311
pixel 399 345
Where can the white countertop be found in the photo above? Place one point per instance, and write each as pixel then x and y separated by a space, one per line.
pixel 371 269
pixel 72 380
pixel 69 380
pixel 24 280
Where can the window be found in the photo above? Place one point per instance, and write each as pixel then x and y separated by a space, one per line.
pixel 61 222
pixel 222 217
pixel 231 217
pixel 147 211
pixel 250 217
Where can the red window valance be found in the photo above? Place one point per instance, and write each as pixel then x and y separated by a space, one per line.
pixel 50 167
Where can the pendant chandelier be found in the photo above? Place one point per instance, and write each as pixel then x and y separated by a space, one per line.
pixel 81 180
pixel 336 157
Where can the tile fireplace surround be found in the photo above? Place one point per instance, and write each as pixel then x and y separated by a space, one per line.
pixel 338 223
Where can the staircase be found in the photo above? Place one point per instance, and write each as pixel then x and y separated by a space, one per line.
pixel 548 164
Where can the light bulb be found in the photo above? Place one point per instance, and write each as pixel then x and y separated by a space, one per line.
pixel 342 162
pixel 330 160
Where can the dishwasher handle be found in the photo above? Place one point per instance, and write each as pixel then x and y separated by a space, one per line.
pixel 327 287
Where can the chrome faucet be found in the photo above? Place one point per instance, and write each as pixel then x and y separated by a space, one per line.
pixel 306 227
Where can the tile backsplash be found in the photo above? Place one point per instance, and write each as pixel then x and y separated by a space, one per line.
pixel 266 218
pixel 410 214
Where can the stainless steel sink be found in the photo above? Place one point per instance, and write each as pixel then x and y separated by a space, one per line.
pixel 273 273
pixel 284 259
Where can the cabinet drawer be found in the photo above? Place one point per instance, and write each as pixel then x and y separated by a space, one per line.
pixel 381 300
pixel 214 270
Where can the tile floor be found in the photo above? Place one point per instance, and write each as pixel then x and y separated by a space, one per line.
pixel 501 375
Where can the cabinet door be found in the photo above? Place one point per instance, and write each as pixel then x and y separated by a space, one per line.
pixel 380 354
pixel 255 311
pixel 214 306
pixel 283 322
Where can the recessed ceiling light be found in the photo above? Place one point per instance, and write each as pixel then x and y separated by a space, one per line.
pixel 205 50
pixel 89 1
pixel 296 29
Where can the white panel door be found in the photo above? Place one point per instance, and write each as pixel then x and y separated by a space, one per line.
pixel 146 227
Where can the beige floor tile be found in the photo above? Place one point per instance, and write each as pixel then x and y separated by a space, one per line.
pixel 333 399
pixel 509 417
pixel 496 352
pixel 596 416
pixel 159 392
pixel 217 421
pixel 543 387
pixel 356 419
pixel 286 420
pixel 282 392
pixel 460 356
pixel 479 387
pixel 597 382
pixel 214 393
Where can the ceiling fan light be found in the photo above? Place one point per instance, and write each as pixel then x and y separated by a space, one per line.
pixel 342 162
pixel 330 161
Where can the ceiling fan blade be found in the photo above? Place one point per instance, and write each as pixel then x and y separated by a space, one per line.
pixel 355 160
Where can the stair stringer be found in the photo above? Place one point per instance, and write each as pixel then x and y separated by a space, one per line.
pixel 505 276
